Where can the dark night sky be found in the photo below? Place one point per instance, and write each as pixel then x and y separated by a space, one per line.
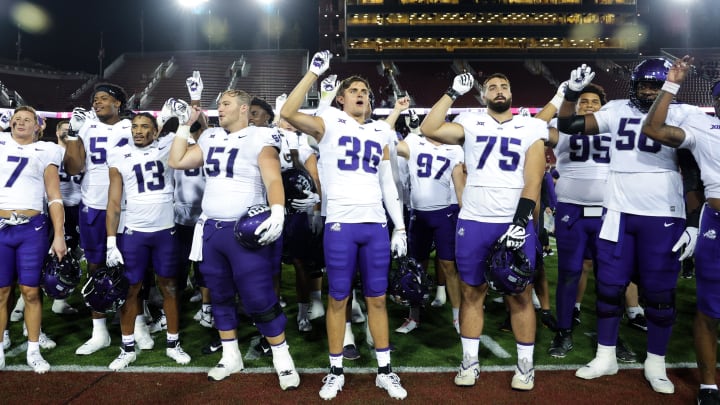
pixel 73 39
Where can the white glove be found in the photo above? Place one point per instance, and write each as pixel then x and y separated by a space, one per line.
pixel 559 95
pixel 5 120
pixel 77 119
pixel 279 103
pixel 687 242
pixel 524 112
pixel 398 242
pixel 179 108
pixel 305 203
pixel 316 223
pixel 271 228
pixel 514 237
pixel 329 87
pixel 461 85
pixel 320 62
pixel 113 257
pixel 580 77
pixel 195 86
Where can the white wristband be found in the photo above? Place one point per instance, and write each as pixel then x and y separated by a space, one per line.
pixel 183 132
pixel 557 101
pixel 670 87
pixel 55 201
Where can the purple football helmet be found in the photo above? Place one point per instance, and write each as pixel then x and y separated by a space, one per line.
pixel 296 182
pixel 59 278
pixel 508 271
pixel 247 224
pixel 410 284
pixel 650 70
pixel 107 289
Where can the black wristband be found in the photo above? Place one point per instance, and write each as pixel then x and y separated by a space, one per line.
pixel 572 95
pixel 693 218
pixel 452 93
pixel 195 126
pixel 524 208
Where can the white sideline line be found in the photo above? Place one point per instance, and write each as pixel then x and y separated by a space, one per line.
pixel 494 347
pixel 351 370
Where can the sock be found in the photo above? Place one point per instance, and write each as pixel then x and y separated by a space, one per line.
pixel 632 312
pixel 140 319
pixel 128 343
pixel 303 310
pixel 470 348
pixel 605 351
pixel 577 306
pixel 100 325
pixel 172 340
pixel 383 360
pixel 349 337
pixel 655 364
pixel 33 347
pixel 525 351
pixel 206 307
pixel 708 387
pixel 440 290
pixel 456 313
pixel 316 295
pixel 231 346
pixel 336 363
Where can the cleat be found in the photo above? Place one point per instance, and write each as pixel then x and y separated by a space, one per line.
pixel 332 384
pixel 316 310
pixel 19 311
pixel 123 360
pixel 198 315
pixel 263 347
pixel 98 341
pixel 61 307
pixel 408 326
pixel 391 384
pixel 45 342
pixel 351 352
pixel 178 354
pixel 524 377
pixel 227 365
pixel 142 336
pixel 638 322
pixel 287 375
pixel 159 325
pixel 6 340
pixel 357 314
pixel 206 319
pixel 282 302
pixel 548 319
pixel 197 297
pixel 708 396
pixel 624 353
pixel 440 298
pixel 213 347
pixel 467 376
pixel 38 364
pixel 304 325
pixel 598 367
pixel 561 344
pixel 657 377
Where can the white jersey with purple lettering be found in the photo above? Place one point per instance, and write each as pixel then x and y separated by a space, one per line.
pixel 70 187
pixel 22 172
pixel 583 163
pixel 147 183
pixel 643 177
pixel 288 141
pixel 99 139
pixel 702 138
pixel 350 153
pixel 189 188
pixel 233 180
pixel 495 160
pixel 430 167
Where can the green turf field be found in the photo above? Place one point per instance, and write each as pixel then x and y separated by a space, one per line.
pixel 434 344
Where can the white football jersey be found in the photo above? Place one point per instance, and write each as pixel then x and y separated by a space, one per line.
pixel 232 175
pixel 147 183
pixel 189 188
pixel 350 153
pixel 644 177
pixel 70 187
pixel 583 163
pixel 99 140
pixel 430 167
pixel 287 139
pixel 495 160
pixel 702 138
pixel 22 172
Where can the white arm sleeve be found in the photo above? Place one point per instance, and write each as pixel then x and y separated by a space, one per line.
pixel 390 194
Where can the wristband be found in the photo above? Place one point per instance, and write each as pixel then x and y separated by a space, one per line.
pixel 522 212
pixel 556 101
pixel 572 95
pixel 452 93
pixel 693 218
pixel 183 132
pixel 670 87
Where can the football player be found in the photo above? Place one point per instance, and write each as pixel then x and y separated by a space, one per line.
pixel 90 137
pixel 701 135
pixel 505 161
pixel 644 217
pixel 241 164
pixel 139 174
pixel 356 153
pixel 28 175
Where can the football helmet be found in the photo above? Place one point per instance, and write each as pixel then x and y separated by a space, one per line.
pixel 245 227
pixel 651 70
pixel 410 284
pixel 508 271
pixel 59 278
pixel 296 182
pixel 107 289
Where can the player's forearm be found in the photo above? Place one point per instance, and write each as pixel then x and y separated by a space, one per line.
pixel 112 219
pixel 436 118
pixel 297 96
pixel 179 148
pixel 74 159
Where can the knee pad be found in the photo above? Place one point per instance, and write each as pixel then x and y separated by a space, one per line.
pixel 271 322
pixel 610 300
pixel 660 307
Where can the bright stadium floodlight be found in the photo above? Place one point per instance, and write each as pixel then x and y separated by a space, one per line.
pixel 191 3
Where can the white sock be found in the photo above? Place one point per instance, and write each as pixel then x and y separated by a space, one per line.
pixel 231 348
pixel 605 351
pixel 470 347
pixel 100 325
pixel 577 306
pixel 456 314
pixel 440 290
pixel 632 312
pixel 708 387
pixel 655 363
pixel 336 361
pixel 349 337
pixel 33 347
pixel 206 307
pixel 525 351
pixel 383 357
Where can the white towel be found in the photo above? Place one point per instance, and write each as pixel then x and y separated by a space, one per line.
pixel 197 242
pixel 610 229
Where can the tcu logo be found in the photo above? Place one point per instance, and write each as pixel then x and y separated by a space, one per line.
pixel 257 209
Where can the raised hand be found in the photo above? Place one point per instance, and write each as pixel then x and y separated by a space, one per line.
pixel 320 62
pixel 680 67
pixel 461 85
pixel 195 86
pixel 580 77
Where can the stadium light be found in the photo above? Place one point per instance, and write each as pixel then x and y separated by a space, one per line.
pixel 191 3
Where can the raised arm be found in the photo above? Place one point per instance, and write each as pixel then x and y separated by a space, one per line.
pixel 290 111
pixel 434 125
pixel 181 156
pixel 654 126
pixel 74 159
pixel 401 105
pixel 568 121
